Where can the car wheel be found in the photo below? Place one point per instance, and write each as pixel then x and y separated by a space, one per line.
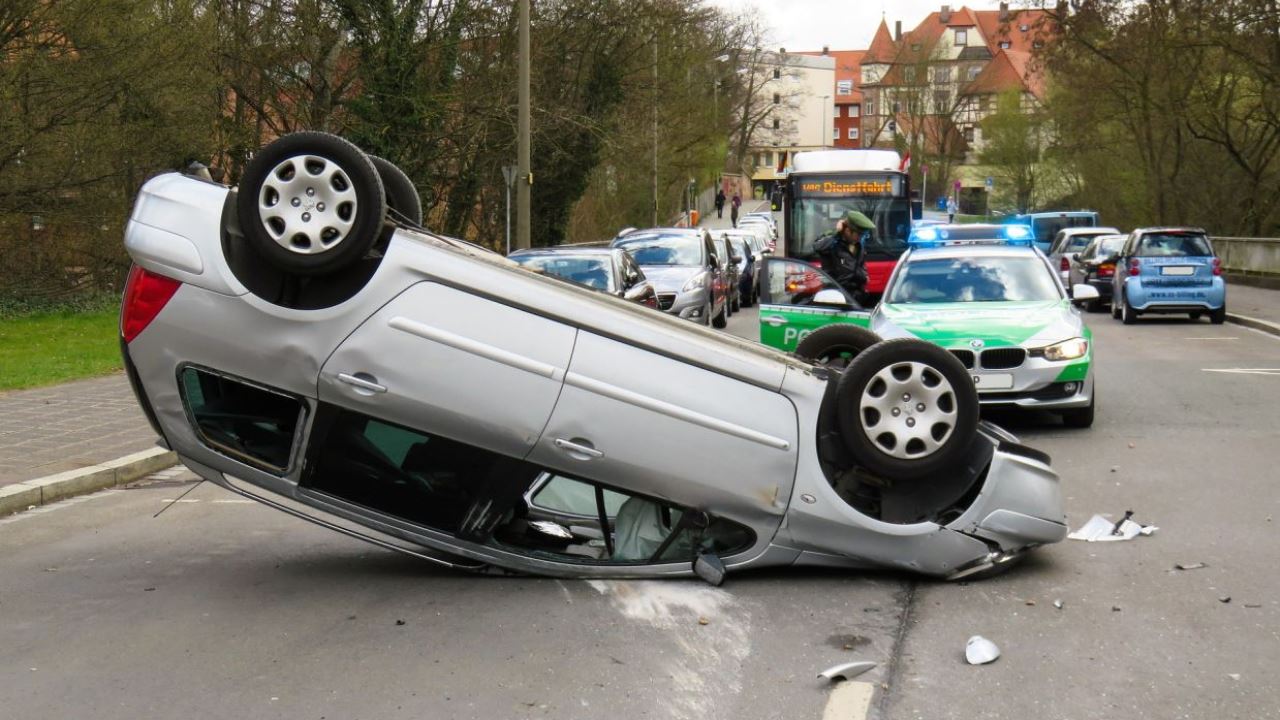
pixel 311 203
pixel 907 408
pixel 403 202
pixel 1219 316
pixel 1079 417
pixel 719 321
pixel 1127 314
pixel 835 345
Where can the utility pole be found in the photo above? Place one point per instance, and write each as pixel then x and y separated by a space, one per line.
pixel 524 172
pixel 655 129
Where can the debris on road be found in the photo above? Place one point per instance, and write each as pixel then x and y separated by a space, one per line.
pixel 1100 529
pixel 980 651
pixel 846 671
pixel 399 622
pixel 1224 599
pixel 1059 604
pixel 703 620
pixel 1234 676
pixel 1031 603
pixel 1190 566
pixel 1115 608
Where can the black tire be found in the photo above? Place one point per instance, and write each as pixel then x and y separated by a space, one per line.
pixel 1219 316
pixel 719 321
pixel 958 403
pixel 1196 315
pixel 403 202
pixel 354 171
pixel 1080 417
pixel 835 345
pixel 1128 315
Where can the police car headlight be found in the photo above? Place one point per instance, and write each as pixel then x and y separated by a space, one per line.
pixel 695 282
pixel 1067 349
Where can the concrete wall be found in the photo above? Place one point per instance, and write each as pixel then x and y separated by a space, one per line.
pixel 1249 256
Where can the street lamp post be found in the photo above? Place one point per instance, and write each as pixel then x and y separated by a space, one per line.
pixel 523 214
pixel 509 176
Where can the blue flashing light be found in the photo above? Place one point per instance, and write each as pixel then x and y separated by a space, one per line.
pixel 1019 235
pixel 927 237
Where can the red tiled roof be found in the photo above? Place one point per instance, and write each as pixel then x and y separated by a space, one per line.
pixel 1008 70
pixel 961 18
pixel 882 48
pixel 994 31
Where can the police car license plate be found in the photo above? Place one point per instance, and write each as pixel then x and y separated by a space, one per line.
pixel 1177 270
pixel 993 381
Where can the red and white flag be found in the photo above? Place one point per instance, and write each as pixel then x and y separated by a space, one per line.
pixel 906 162
pixel 782 161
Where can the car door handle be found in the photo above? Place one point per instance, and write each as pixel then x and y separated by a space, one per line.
pixel 363 382
pixel 774 320
pixel 575 449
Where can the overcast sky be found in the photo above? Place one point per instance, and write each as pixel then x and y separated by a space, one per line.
pixel 840 24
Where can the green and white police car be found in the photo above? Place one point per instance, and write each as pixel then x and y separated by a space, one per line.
pixel 983 292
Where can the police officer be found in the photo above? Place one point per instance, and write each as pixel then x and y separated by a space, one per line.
pixel 844 256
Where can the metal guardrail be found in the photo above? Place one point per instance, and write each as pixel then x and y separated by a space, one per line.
pixel 1249 255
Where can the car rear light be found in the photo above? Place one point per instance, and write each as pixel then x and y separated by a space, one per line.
pixel 1217 266
pixel 816 263
pixel 1135 266
pixel 1106 270
pixel 145 295
pixel 1065 265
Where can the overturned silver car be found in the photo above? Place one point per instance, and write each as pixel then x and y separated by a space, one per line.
pixel 301 340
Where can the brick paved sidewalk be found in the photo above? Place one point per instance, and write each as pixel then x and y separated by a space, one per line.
pixel 70 426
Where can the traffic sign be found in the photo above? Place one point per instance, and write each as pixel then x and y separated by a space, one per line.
pixel 957 185
pixel 991 182
pixel 509 174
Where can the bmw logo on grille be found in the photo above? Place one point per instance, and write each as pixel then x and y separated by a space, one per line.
pixel 976 344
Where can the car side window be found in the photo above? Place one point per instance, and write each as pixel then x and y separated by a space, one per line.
pixel 791 282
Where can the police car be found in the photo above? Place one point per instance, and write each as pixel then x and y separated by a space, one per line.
pixel 983 292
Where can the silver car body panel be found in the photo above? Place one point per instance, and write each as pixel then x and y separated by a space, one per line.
pixel 461 342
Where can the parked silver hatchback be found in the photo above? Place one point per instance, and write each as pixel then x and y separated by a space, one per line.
pixel 293 344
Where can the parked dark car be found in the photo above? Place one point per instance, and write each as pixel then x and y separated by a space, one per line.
pixel 607 269
pixel 730 273
pixel 1095 266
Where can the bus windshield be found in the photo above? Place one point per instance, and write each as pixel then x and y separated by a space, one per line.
pixel 812 217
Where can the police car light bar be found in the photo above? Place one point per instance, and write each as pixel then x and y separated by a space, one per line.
pixel 933 237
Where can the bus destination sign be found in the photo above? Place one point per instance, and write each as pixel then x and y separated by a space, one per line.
pixel 848 186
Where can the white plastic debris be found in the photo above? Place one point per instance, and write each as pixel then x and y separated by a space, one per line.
pixel 980 651
pixel 1100 529
pixel 846 671
pixel 1058 604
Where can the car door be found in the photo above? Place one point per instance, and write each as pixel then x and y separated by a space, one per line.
pixel 648 422
pixel 787 308
pixel 452 363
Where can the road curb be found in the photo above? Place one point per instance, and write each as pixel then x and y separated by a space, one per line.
pixel 52 488
pixel 1261 325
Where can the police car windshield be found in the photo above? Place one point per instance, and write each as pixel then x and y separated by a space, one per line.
pixel 653 249
pixel 966 279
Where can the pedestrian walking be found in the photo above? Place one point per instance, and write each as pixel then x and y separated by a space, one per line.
pixel 733 209
pixel 720 203
pixel 951 209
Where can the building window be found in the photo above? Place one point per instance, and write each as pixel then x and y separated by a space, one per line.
pixel 942 74
pixel 871 106
pixel 853 111
pixel 915 47
pixel 777 124
pixel 1036 45
pixel 893 126
pixel 853 133
pixel 768 159
pixel 1024 27
pixel 909 74
pixel 941 101
pixel 962 37
pixel 897 107
pixel 968 134
pixel 777 98
pixel 835 133
pixel 983 101
pixel 974 71
pixel 777 73
pixel 844 87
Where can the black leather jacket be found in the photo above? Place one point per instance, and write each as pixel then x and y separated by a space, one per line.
pixel 845 267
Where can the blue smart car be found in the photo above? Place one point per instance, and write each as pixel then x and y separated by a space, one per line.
pixel 1168 270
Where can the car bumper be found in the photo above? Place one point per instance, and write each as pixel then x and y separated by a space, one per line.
pixel 1041 384
pixel 689 305
pixel 1173 299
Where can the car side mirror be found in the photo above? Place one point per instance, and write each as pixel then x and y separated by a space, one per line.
pixel 831 297
pixel 709 567
pixel 635 292
pixel 1081 293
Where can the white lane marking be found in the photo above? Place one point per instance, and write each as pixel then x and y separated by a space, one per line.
pixel 708 664
pixel 55 507
pixel 1211 338
pixel 849 701
pixel 234 502
pixel 1244 371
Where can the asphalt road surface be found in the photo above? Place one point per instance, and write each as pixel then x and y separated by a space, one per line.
pixel 220 608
